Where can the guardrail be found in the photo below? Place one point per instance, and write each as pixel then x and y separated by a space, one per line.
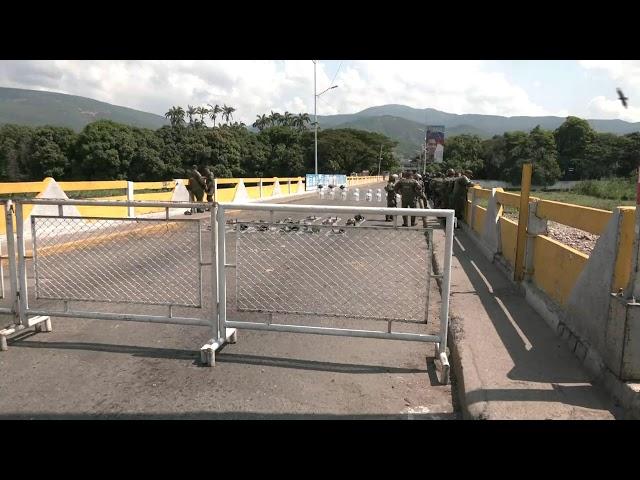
pixel 574 291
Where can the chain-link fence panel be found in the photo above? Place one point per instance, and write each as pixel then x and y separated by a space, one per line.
pixel 118 260
pixel 356 272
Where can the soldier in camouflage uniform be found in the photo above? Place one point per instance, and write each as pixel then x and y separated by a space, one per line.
pixel 196 188
pixel 459 195
pixel 410 191
pixel 391 196
pixel 446 189
pixel 422 200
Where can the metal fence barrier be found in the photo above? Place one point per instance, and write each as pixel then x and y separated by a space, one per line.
pixel 280 268
pixel 75 260
pixel 292 268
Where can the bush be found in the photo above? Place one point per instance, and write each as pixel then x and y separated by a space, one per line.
pixel 611 188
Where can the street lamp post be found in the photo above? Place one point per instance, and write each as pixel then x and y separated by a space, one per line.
pixel 315 113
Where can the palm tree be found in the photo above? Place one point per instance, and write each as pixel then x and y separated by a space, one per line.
pixel 213 112
pixel 191 111
pixel 175 116
pixel 300 121
pixel 227 112
pixel 202 111
pixel 261 122
pixel 276 118
pixel 287 119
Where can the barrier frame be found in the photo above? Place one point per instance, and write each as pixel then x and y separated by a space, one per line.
pixel 227 328
pixel 26 317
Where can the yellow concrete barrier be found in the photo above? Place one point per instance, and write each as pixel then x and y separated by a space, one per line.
pixel 556 267
pixel 478 222
pixel 592 220
pixel 508 239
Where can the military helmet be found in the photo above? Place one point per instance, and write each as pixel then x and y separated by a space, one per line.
pixel 395 175
pixel 450 172
pixel 418 176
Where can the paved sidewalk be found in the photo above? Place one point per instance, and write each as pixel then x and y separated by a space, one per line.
pixel 509 364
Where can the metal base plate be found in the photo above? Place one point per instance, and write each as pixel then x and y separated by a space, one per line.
pixel 208 351
pixel 42 324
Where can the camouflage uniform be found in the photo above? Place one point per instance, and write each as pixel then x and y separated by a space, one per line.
pixel 210 184
pixel 391 197
pixel 410 191
pixel 196 188
pixel 459 194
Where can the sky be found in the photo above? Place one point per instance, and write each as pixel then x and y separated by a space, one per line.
pixel 584 88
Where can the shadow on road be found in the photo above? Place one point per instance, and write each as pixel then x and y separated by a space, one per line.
pixel 180 354
pixel 226 416
pixel 538 355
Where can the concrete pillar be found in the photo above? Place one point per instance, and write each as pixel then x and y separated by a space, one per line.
pixel 535 226
pixel 491 234
pixel 474 202
pixel 260 184
pixel 289 185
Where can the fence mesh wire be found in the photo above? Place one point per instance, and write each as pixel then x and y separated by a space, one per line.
pixel 376 273
pixel 117 260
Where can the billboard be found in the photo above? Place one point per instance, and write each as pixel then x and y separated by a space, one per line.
pixel 434 142
pixel 312 181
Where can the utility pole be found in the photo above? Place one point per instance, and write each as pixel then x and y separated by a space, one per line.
pixel 380 161
pixel 315 117
pixel 315 112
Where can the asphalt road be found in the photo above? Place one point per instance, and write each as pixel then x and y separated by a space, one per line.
pixel 111 369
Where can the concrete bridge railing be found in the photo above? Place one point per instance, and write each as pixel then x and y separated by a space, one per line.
pixel 226 190
pixel 587 298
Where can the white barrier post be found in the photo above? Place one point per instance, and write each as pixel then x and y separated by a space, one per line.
pixel 130 198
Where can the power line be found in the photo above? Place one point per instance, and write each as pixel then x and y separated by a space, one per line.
pixel 334 77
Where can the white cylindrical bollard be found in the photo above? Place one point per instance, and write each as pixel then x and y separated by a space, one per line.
pixel 379 195
pixel 332 194
pixel 356 194
pixel 369 196
pixel 343 194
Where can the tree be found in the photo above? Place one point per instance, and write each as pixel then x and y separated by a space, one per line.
pixel 629 154
pixel 50 152
pixel 287 119
pixel 227 112
pixel 464 152
pixel 214 111
pixel 493 157
pixel 261 122
pixel 301 120
pixel 202 111
pixel 104 151
pixel 539 149
pixel 175 116
pixel 572 139
pixel 14 152
pixel 191 111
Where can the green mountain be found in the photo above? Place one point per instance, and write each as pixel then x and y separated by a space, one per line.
pixel 33 108
pixel 403 124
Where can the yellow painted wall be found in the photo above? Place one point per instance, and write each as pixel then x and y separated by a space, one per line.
pixel 508 238
pixel 591 220
pixel 253 192
pixel 556 267
pixel 151 197
pixel 91 185
pixel 478 221
pixel 225 195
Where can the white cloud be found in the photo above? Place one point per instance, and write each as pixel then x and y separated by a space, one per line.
pixel 255 87
pixel 607 108
pixel 626 76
